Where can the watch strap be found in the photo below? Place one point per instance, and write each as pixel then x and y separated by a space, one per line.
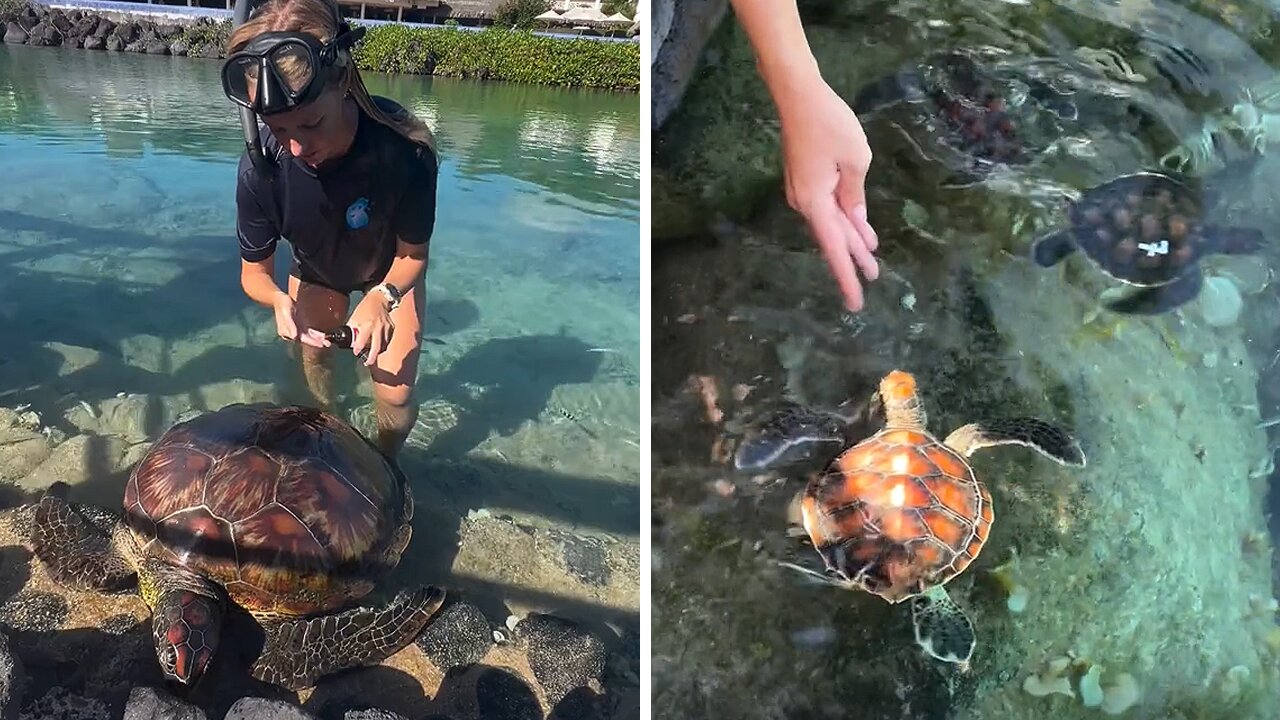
pixel 391 292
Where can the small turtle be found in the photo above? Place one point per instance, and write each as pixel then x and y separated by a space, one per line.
pixel 900 514
pixel 969 107
pixel 1145 229
pixel 286 514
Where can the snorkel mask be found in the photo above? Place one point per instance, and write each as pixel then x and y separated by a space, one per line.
pixel 279 71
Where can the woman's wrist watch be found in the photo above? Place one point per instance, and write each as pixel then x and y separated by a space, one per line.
pixel 391 292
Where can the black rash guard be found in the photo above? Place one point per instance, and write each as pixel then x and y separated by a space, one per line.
pixel 341 220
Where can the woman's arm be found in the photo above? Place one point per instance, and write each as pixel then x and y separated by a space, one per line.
pixel 257 282
pixel 785 62
pixel 410 263
pixel 825 152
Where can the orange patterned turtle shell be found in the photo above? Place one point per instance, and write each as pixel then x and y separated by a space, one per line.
pixel 898 513
pixel 289 508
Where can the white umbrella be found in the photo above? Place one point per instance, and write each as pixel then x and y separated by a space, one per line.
pixel 618 18
pixel 550 15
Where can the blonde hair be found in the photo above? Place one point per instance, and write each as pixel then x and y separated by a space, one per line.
pixel 316 18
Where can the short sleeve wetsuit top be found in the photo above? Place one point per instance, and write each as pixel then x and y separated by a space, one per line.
pixel 343 219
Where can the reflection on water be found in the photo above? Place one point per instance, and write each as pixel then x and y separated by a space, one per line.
pixel 122 312
pixel 1143 579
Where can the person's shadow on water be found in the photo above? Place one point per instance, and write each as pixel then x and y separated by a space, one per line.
pixel 518 374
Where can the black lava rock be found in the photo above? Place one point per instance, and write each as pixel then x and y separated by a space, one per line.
pixel 461 635
pixel 563 655
pixel 146 703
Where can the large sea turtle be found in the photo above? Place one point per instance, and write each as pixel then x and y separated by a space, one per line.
pixel 285 513
pixel 901 513
pixel 1145 229
pixel 967 108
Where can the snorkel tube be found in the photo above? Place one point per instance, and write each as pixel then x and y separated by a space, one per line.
pixel 248 118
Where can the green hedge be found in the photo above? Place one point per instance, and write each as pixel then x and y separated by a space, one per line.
pixel 490 54
pixel 500 54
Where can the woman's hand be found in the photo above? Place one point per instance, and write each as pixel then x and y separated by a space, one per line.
pixel 827 157
pixel 825 151
pixel 372 324
pixel 289 326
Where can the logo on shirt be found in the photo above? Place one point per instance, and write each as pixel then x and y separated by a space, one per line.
pixel 358 214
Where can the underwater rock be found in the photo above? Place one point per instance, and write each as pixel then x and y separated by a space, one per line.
pixel 252 708
pixel 678 53
pixel 147 703
pixel 22 449
pixel 1220 301
pixel 563 655
pixel 13 681
pixel 461 635
pixel 80 461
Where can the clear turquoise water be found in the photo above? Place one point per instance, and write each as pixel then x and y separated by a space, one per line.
pixel 119 275
pixel 1154 559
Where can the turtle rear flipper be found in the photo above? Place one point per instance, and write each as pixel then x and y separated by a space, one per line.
pixel 1235 240
pixel 1160 298
pixel 1044 437
pixel 297 653
pixel 78 546
pixel 1051 249
pixel 942 629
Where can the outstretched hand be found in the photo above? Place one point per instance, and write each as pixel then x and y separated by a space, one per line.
pixel 826 157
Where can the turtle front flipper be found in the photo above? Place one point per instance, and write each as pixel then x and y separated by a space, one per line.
pixel 1044 437
pixel 78 545
pixel 942 629
pixel 1051 249
pixel 794 436
pixel 1161 298
pixel 297 653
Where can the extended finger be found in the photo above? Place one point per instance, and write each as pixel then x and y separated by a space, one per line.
pixel 375 349
pixel 860 252
pixel 851 191
pixel 869 236
pixel 359 339
pixel 827 226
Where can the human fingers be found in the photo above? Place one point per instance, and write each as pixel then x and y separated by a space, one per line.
pixel 859 250
pixel 314 338
pixel 377 343
pixel 851 192
pixel 286 327
pixel 828 229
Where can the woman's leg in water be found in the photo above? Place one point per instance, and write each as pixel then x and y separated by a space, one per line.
pixel 396 372
pixel 323 309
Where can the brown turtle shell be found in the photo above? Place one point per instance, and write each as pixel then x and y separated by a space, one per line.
pixel 289 508
pixel 898 513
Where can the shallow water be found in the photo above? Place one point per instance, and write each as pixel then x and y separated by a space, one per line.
pixel 1153 561
pixel 121 309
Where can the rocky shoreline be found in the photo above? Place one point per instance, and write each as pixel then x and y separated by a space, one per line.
pixel 44 27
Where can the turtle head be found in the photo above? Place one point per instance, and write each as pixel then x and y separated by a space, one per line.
pixel 186 626
pixel 899 400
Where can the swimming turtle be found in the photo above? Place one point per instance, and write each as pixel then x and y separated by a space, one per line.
pixel 969 108
pixel 1145 229
pixel 900 514
pixel 284 514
